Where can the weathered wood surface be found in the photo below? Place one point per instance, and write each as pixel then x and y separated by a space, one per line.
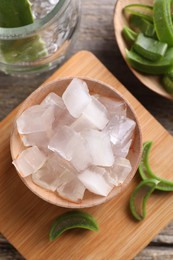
pixel 96 33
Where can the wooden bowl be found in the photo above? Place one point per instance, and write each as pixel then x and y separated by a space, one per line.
pixel 58 86
pixel 152 82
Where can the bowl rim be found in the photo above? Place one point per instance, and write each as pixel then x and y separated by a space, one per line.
pixel 101 199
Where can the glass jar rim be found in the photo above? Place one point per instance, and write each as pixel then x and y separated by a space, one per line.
pixel 30 29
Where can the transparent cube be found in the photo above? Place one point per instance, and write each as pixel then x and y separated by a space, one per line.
pixel 120 129
pixel 120 171
pixel 29 161
pixel 35 119
pixel 94 180
pixel 113 106
pixel 82 123
pixel 54 173
pixel 53 99
pixel 81 158
pixel 62 119
pixel 122 149
pixel 76 97
pixel 64 142
pixel 96 113
pixel 99 147
pixel 73 191
pixel 39 139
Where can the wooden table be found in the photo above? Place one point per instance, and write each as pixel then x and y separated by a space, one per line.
pixel 96 34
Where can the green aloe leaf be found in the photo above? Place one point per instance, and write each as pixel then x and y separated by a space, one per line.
pixel 138 209
pixel 71 220
pixel 17 14
pixel 147 173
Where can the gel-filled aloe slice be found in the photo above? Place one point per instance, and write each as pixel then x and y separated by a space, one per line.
pixel 147 173
pixel 23 50
pixel 129 35
pixel 71 220
pixel 142 10
pixel 167 81
pixel 138 208
pixel 163 21
pixel 149 48
pixel 140 24
pixel 162 66
pixel 17 14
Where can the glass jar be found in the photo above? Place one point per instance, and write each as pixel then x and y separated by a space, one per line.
pixel 42 45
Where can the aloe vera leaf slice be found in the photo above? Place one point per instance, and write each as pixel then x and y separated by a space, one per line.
pixel 149 48
pixel 23 50
pixel 163 21
pixel 147 186
pixel 129 35
pixel 167 82
pixel 17 14
pixel 71 220
pixel 144 11
pixel 140 24
pixel 147 173
pixel 162 66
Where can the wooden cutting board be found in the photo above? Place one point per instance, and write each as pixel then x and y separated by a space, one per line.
pixel 25 219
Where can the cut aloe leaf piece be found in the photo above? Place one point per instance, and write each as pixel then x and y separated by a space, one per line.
pixel 139 197
pixel 163 21
pixel 167 82
pixel 147 173
pixel 162 66
pixel 149 48
pixel 129 35
pixel 24 50
pixel 17 14
pixel 140 24
pixel 144 11
pixel 71 220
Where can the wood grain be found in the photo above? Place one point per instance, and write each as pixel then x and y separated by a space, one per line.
pixel 96 34
pixel 28 228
